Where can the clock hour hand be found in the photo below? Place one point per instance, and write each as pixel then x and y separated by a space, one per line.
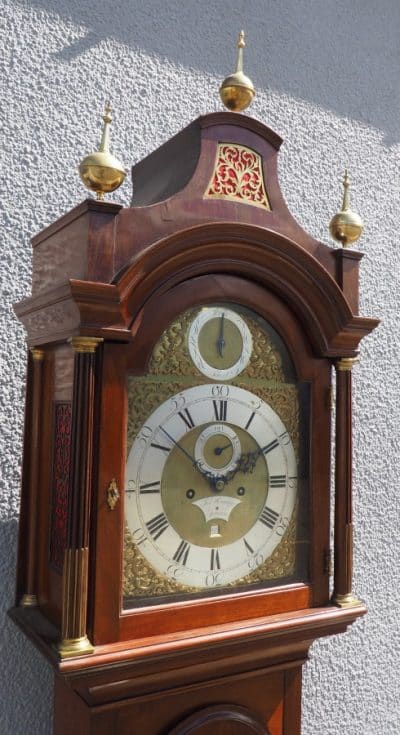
pixel 219 450
pixel 245 464
pixel 221 340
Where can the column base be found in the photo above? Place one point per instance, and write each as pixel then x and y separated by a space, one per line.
pixel 29 600
pixel 70 647
pixel 347 600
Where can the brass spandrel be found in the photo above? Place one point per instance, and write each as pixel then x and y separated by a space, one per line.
pixel 140 578
pixel 144 395
pixel 171 355
pixel 284 400
pixel 282 561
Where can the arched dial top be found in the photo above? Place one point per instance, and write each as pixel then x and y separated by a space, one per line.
pixel 213 443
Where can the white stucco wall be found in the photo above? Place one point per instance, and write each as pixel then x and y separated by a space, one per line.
pixel 326 74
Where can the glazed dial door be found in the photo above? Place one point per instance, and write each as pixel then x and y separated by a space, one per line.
pixel 212 495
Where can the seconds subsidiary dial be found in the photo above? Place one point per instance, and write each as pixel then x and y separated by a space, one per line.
pixel 219 342
pixel 211 485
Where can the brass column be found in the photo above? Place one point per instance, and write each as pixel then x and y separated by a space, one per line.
pixel 74 640
pixel 342 594
pixel 29 598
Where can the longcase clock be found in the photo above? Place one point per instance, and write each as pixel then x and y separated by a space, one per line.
pixel 174 560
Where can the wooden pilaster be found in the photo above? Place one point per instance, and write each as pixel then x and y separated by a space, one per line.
pixel 29 598
pixel 74 640
pixel 343 595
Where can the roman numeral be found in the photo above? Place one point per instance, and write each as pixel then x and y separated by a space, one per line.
pixel 215 560
pixel 248 547
pixel 250 420
pixel 160 446
pixel 157 525
pixel 277 481
pixel 220 410
pixel 150 487
pixel 268 517
pixel 182 552
pixel 186 418
pixel 269 447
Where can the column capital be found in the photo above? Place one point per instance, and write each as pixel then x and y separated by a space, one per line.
pixel 85 344
pixel 346 363
pixel 37 354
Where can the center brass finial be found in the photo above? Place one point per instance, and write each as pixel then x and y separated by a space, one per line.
pixel 237 90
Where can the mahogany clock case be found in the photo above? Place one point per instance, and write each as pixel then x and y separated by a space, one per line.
pixel 118 278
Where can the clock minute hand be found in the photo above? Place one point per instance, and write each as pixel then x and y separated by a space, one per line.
pixel 171 438
pixel 189 456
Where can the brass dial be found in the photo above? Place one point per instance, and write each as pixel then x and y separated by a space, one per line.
pixel 197 516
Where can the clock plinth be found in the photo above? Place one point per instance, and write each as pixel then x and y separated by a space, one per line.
pixel 175 517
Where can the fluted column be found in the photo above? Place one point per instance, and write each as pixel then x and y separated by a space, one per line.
pixel 343 577
pixel 29 598
pixel 74 640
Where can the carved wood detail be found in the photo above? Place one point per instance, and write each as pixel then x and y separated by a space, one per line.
pixel 238 176
pixel 60 483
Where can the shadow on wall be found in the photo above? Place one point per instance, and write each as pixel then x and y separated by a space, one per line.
pixel 300 48
pixel 24 675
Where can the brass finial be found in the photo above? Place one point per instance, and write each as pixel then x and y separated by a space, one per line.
pixel 346 226
pixel 237 90
pixel 102 172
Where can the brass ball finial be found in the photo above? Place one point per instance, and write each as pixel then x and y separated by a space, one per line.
pixel 346 226
pixel 101 172
pixel 237 90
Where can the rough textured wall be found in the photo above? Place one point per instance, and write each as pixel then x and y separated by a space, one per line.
pixel 327 80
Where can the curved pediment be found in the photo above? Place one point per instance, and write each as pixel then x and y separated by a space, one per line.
pixel 263 256
pixel 221 167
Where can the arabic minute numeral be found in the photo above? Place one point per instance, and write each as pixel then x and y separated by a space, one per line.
pixel 280 530
pixel 220 391
pixel 255 561
pixel 139 536
pixel 284 438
